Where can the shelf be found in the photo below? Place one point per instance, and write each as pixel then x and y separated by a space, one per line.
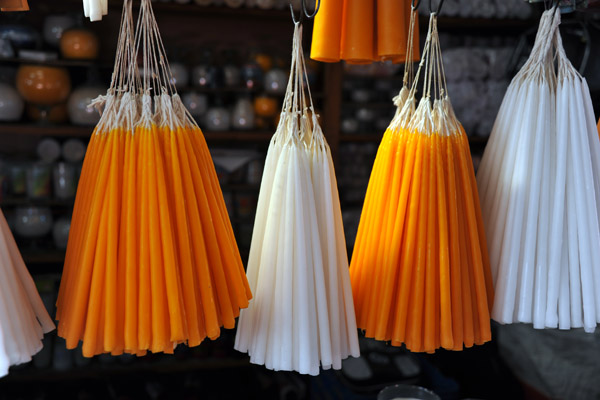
pixel 242 136
pixel 371 105
pixel 58 63
pixel 170 365
pixel 39 257
pixel 240 187
pixel 26 202
pixel 46 130
pixel 477 25
pixel 211 11
pixel 240 90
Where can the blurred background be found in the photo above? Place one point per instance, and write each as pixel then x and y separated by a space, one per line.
pixel 230 61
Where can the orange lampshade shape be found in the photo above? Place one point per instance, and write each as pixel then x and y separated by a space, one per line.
pixel 79 44
pixel 43 85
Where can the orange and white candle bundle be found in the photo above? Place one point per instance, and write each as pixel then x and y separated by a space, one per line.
pixel 151 260
pixel 363 31
pixel 419 270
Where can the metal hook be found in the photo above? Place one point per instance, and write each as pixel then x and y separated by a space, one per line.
pixel 304 11
pixel 439 8
pixel 415 6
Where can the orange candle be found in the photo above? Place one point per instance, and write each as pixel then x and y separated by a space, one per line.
pixel 327 31
pixel 392 29
pixel 357 31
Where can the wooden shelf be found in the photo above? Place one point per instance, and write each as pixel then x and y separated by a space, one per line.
pixel 99 371
pixel 46 130
pixel 25 202
pixel 371 105
pixel 479 25
pixel 240 187
pixel 47 257
pixel 209 11
pixel 242 136
pixel 58 63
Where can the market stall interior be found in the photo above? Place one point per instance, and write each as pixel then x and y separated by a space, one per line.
pixel 229 62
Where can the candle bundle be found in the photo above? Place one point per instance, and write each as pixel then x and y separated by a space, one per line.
pixel 23 317
pixel 302 314
pixel 540 190
pixel 362 32
pixel 420 271
pixel 151 260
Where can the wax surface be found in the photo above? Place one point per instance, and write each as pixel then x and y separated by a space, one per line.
pixel 151 260
pixel 362 32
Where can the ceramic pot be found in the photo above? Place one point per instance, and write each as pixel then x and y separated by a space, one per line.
pixel 20 36
pixel 11 104
pixel 243 114
pixel 43 85
pixel 60 232
pixel 217 119
pixel 79 112
pixel 195 103
pixel 204 76
pixel 179 75
pixel 32 222
pixel 276 81
pixel 252 75
pixel 54 26
pixel 265 106
pixel 79 44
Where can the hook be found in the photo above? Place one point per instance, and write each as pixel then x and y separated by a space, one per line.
pixel 439 8
pixel 304 11
pixel 415 6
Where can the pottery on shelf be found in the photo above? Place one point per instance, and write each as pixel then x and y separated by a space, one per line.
pixel 276 81
pixel 79 44
pixel 217 119
pixel 265 106
pixel 252 75
pixel 11 103
pixel 195 103
pixel 73 150
pixel 60 232
pixel 243 114
pixel 20 36
pixel 80 99
pixel 54 26
pixel 33 222
pixel 43 85
pixel 179 75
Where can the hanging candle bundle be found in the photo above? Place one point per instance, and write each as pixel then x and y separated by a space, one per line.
pixel 362 32
pixel 540 191
pixel 302 315
pixel 151 260
pixel 23 317
pixel 420 271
